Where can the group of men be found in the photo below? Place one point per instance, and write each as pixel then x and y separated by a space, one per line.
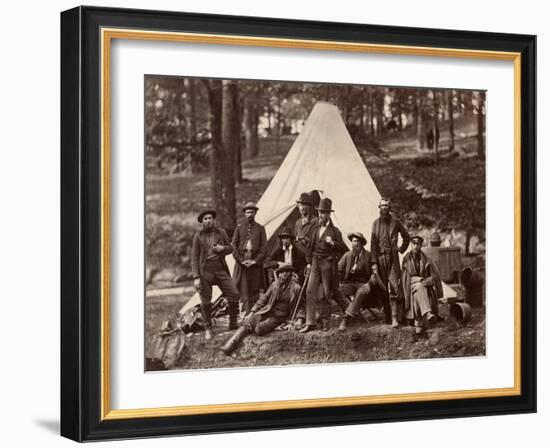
pixel 313 259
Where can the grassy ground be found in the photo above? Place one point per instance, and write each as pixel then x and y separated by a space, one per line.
pixel 447 196
pixel 374 341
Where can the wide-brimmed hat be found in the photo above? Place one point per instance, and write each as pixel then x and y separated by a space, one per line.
pixel 305 198
pixel 359 236
pixel 285 267
pixel 325 205
pixel 250 206
pixel 206 212
pixel 286 233
pixel 417 238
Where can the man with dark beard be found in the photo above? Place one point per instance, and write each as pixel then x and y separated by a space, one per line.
pixel 249 250
pixel 385 251
pixel 305 222
pixel 271 310
pixel 208 266
pixel 421 285
pixel 356 278
pixel 326 247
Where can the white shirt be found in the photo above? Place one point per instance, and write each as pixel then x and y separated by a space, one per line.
pixel 288 254
pixel 322 229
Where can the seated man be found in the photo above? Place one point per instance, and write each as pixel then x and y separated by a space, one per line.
pixel 288 253
pixel 357 278
pixel 271 309
pixel 421 285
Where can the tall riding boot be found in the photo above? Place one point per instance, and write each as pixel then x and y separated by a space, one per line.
pixel 233 308
pixel 235 340
pixel 387 310
pixel 205 309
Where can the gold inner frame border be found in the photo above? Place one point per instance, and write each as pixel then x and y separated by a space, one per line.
pixel 107 35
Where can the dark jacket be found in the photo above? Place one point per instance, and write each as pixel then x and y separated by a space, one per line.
pixel 258 239
pixel 321 249
pixel 277 301
pixel 301 231
pixel 199 250
pixel 363 264
pixel 428 271
pixel 278 255
pixel 395 229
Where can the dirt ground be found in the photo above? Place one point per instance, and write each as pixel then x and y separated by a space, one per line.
pixel 372 341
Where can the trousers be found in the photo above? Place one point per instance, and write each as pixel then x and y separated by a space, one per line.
pixel 388 271
pixel 359 293
pixel 216 275
pixel 324 274
pixel 262 324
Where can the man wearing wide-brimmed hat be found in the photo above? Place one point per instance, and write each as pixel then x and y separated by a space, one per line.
pixel 421 285
pixel 305 221
pixel 286 252
pixel 385 250
pixel 356 278
pixel 210 246
pixel 325 248
pixel 271 310
pixel 249 250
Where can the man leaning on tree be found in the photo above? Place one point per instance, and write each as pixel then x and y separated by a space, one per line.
pixel 210 246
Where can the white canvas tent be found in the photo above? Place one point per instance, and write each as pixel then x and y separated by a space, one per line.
pixel 323 158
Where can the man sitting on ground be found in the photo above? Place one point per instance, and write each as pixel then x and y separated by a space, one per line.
pixel 271 309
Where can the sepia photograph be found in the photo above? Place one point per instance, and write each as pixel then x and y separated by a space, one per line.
pixel 292 223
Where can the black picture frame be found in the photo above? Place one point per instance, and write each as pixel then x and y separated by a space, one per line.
pixel 81 208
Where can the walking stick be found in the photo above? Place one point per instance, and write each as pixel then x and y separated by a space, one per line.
pixel 298 301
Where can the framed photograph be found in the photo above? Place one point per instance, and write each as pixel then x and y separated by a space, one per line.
pixel 277 224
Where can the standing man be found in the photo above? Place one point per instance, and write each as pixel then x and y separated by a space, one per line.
pixel 271 310
pixel 305 222
pixel 384 249
pixel 210 246
pixel 356 278
pixel 249 250
pixel 325 248
pixel 421 285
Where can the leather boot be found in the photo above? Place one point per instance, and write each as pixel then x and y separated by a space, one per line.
pixel 205 310
pixel 234 341
pixel 233 308
pixel 394 313
pixel 344 324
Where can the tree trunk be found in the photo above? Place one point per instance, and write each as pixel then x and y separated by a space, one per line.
pixel 371 113
pixel 279 115
pixel 480 125
pixel 238 150
pixel 190 163
pixel 380 116
pixel 420 125
pixel 436 125
pixel 251 125
pixel 222 101
pixel 450 96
